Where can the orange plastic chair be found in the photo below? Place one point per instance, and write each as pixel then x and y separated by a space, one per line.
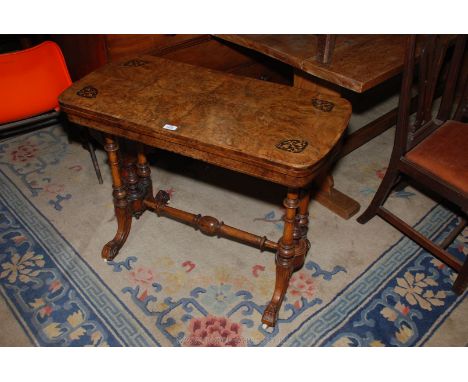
pixel 30 82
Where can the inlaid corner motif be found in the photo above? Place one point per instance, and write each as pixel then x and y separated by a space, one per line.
pixel 135 62
pixel 323 105
pixel 88 92
pixel 292 145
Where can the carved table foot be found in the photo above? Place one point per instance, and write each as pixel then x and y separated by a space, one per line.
pixel 283 274
pixel 285 258
pixel 124 223
pixel 130 185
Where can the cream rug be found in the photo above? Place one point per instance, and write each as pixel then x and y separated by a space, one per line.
pixel 362 285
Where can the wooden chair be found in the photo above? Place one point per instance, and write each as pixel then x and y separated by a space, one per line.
pixel 432 151
pixel 30 82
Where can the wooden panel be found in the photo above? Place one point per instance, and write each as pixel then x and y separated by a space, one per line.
pixel 221 118
pixel 265 72
pixel 290 49
pixel 83 53
pixel 219 55
pixel 209 54
pixel 120 46
pixel 200 50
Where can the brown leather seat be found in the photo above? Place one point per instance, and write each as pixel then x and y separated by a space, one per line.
pixel 445 154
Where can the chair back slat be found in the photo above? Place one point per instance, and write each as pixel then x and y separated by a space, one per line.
pixel 461 113
pixel 433 75
pixel 431 60
pixel 454 75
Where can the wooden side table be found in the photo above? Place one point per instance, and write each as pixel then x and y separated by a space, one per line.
pixel 278 133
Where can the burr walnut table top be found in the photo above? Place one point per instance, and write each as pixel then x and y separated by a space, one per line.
pixel 270 131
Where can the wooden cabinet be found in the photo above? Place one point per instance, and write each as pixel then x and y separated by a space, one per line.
pixel 85 53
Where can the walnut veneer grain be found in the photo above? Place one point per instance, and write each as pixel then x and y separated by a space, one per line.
pixel 274 132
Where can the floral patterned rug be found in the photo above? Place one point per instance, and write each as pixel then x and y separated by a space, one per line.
pixel 170 286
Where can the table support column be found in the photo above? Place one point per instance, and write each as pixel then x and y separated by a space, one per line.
pixel 121 205
pixel 301 227
pixel 284 259
pixel 144 172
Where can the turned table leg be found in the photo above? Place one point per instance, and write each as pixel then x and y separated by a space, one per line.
pixel 136 176
pixel 284 259
pixel 131 182
pixel 121 205
pixel 144 173
pixel 301 226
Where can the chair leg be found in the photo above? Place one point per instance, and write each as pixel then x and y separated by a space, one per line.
pixel 401 185
pixel 392 176
pixel 461 281
pixel 92 153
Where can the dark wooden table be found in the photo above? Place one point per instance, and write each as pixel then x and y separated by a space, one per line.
pixel 278 133
pixel 357 62
pixel 354 62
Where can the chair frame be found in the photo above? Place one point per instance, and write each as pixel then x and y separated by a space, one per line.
pixel 409 135
pixel 25 125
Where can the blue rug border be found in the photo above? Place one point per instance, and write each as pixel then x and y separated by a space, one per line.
pixel 18 318
pixel 459 300
pixel 21 193
pixel 439 235
pixel 339 294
